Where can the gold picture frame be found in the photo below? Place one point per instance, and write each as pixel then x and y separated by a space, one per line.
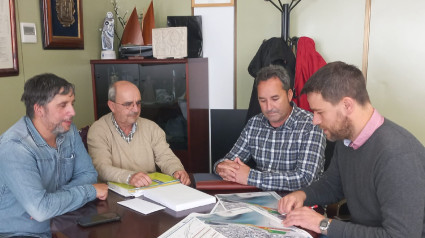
pixel 8 49
pixel 212 3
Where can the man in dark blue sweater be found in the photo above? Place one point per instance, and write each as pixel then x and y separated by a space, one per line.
pixel 378 166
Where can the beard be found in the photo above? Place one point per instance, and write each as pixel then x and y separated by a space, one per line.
pixel 342 130
pixel 58 128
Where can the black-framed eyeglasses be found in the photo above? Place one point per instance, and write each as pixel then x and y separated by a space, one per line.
pixel 129 105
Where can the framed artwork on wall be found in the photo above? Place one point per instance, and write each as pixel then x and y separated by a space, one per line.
pixel 8 46
pixel 212 3
pixel 62 22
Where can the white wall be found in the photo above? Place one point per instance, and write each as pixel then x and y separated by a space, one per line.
pixel 396 75
pixel 218 47
pixel 335 26
pixel 396 79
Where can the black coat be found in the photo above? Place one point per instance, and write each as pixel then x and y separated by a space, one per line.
pixel 273 51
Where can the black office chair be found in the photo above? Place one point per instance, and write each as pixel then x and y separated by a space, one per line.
pixel 226 127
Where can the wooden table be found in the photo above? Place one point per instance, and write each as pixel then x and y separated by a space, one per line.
pixel 132 224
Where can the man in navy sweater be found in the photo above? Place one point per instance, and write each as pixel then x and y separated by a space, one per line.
pixel 378 166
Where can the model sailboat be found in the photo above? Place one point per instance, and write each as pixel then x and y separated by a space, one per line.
pixel 132 34
pixel 136 41
pixel 148 25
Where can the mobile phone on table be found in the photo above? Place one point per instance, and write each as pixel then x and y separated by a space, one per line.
pixel 97 219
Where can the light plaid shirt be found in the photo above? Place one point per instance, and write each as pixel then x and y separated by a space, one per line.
pixel 121 132
pixel 288 157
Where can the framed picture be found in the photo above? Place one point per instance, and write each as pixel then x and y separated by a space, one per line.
pixel 8 46
pixel 62 24
pixel 212 3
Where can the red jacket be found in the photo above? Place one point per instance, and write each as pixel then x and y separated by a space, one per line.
pixel 308 61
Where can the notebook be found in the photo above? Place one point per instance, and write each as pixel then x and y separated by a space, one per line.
pixel 158 180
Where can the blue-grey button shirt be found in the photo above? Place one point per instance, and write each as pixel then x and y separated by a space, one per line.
pixel 38 182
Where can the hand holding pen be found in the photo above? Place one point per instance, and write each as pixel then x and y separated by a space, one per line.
pixel 311 207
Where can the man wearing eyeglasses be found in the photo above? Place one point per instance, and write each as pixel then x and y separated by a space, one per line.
pixel 125 147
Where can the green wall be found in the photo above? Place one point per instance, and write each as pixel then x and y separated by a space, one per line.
pixel 256 21
pixel 73 65
pixel 336 27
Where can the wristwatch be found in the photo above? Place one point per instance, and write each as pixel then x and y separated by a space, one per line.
pixel 128 179
pixel 324 225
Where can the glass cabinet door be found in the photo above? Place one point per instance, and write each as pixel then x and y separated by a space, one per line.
pixel 163 90
pixel 105 75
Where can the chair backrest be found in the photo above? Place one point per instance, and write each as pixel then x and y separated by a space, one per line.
pixel 226 127
pixel 83 133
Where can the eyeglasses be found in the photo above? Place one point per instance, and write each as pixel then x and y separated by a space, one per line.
pixel 130 105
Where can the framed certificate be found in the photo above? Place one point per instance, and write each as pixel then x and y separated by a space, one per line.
pixel 8 47
pixel 212 3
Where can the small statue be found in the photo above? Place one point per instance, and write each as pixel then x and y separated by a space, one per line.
pixel 108 32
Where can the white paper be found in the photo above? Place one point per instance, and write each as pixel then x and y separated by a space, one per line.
pixel 141 206
pixel 179 197
pixel 263 202
pixel 191 227
pixel 241 222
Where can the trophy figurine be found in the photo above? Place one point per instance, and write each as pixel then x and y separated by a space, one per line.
pixel 107 37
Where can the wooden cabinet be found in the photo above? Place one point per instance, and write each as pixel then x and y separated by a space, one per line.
pixel 174 95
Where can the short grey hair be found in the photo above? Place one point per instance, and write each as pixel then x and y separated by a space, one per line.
pixel 274 71
pixel 112 92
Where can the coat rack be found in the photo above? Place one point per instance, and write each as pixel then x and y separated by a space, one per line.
pixel 285 9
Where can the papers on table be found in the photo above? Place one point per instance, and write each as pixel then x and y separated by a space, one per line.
pixel 191 227
pixel 141 206
pixel 263 202
pixel 179 197
pixel 238 215
pixel 239 222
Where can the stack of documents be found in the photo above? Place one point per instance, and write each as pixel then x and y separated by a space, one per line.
pixel 165 190
pixel 179 197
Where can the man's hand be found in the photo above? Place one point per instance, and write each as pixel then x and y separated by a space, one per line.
pixel 182 176
pixel 242 173
pixel 304 217
pixel 227 170
pixel 140 179
pixel 291 201
pixel 101 190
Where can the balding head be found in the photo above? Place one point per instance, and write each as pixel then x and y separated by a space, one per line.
pixel 123 86
pixel 124 102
